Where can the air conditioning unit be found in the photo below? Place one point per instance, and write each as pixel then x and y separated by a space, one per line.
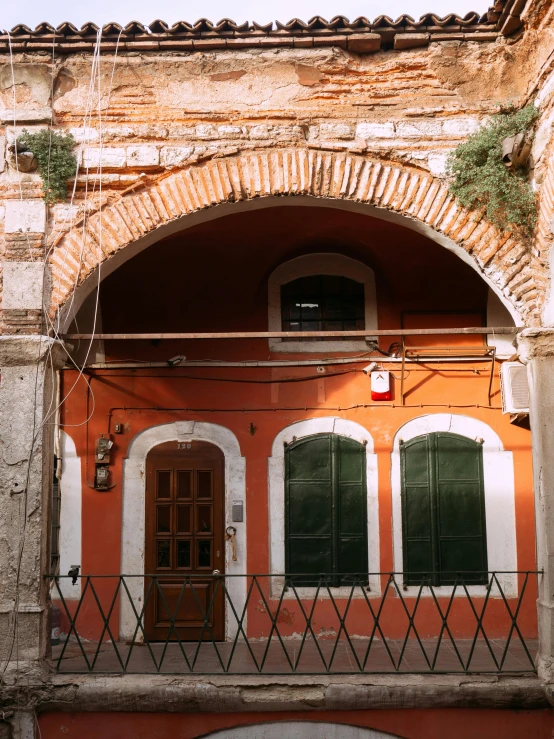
pixel 514 386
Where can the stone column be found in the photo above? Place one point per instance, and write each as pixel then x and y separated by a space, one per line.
pixel 28 366
pixel 536 349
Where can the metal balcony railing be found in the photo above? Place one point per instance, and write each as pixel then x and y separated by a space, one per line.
pixel 276 624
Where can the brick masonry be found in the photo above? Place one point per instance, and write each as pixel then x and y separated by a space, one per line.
pixel 408 191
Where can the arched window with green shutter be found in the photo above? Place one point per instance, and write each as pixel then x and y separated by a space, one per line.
pixel 443 509
pixel 325 509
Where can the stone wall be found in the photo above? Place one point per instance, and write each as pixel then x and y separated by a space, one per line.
pixel 171 113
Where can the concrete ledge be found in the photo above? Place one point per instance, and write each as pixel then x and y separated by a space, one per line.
pixel 219 694
pixel 20 350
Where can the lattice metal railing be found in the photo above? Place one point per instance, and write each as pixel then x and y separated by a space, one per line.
pixel 275 625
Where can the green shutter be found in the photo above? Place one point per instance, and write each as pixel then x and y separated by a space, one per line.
pixel 326 514
pixel 443 509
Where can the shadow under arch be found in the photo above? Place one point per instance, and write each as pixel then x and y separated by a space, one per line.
pixel 299 730
pixel 404 195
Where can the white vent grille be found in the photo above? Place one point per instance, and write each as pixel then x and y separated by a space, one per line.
pixel 515 390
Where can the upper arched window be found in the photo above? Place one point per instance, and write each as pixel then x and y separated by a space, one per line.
pixel 322 292
pixel 323 303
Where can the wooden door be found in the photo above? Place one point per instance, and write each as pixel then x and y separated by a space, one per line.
pixel 185 541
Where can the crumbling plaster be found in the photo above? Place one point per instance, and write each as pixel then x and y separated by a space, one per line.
pixel 172 112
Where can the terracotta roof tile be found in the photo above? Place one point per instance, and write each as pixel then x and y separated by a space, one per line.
pixel 503 18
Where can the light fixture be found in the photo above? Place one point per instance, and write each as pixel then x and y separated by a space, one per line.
pixel 176 360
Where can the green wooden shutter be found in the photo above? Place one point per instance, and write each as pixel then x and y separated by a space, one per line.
pixel 417 509
pixel 352 505
pixel 461 534
pixel 443 509
pixel 325 501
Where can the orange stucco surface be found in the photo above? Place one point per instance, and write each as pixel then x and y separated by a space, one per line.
pixel 217 281
pixel 408 724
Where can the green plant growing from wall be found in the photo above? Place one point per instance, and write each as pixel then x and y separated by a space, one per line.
pixel 56 160
pixel 481 180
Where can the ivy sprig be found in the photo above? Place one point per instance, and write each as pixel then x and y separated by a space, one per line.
pixel 480 180
pixel 56 160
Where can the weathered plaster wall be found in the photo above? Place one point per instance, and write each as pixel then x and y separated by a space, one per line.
pixel 171 112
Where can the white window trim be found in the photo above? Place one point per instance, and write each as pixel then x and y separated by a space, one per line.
pixel 276 484
pixel 134 502
pixel 71 502
pixel 320 264
pixel 299 730
pixel 498 473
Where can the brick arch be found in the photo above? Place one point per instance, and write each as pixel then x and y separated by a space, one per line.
pixel 504 262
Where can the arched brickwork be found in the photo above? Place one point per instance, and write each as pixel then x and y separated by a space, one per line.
pixel 406 191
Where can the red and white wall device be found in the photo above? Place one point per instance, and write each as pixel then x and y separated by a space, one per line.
pixel 380 385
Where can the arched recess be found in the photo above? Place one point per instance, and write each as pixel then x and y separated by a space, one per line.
pixel 133 526
pixel 320 264
pixel 499 483
pixel 299 730
pixel 386 190
pixel 276 495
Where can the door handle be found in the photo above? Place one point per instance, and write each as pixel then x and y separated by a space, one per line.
pixel 216 572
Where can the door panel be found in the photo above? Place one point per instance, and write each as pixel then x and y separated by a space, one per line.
pixel 185 541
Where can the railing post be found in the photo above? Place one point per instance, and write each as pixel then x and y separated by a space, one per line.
pixel 27 397
pixel 536 349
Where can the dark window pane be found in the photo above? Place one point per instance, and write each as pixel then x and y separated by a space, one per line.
pixel 184 519
pixel 184 483
pixel 204 518
pixel 322 303
pixel 204 553
pixel 204 484
pixel 183 554
pixel 164 556
pixel 163 515
pixel 163 487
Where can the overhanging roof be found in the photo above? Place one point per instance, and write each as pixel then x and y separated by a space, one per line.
pixel 359 35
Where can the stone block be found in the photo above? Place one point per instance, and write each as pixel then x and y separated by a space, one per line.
pixel 143 155
pixel 437 163
pixel 206 131
pixel 25 115
pixel 259 132
pixel 25 216
pixel 85 134
pixel 461 126
pixel 114 157
pixel 23 285
pixel 230 132
pixel 336 131
pixel 2 153
pixel 375 130
pixel 419 129
pixel 171 156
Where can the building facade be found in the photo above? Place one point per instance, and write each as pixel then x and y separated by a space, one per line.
pixel 260 468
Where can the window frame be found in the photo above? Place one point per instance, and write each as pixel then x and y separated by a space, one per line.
pixel 336 530
pixel 433 480
pixel 329 264
pixel 276 508
pixel 499 483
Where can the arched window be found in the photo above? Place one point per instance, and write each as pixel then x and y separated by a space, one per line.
pixel 325 509
pixel 443 509
pixel 322 292
pixel 322 303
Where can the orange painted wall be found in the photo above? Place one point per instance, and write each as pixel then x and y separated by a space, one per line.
pixel 408 724
pixel 214 278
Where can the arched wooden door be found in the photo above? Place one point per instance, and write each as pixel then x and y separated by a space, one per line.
pixel 185 501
